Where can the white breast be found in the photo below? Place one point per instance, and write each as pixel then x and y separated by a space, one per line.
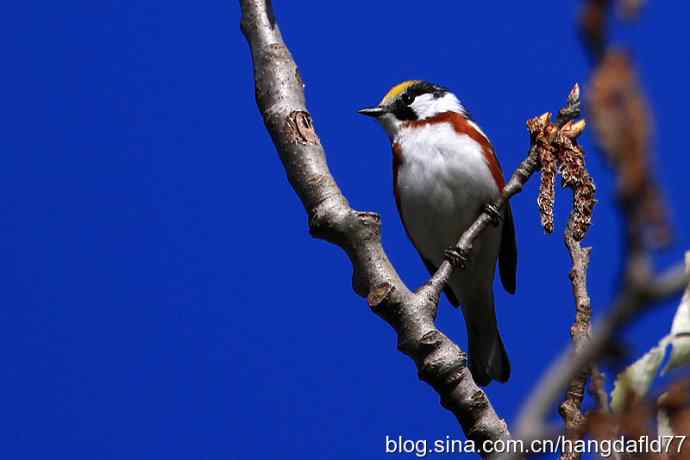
pixel 443 181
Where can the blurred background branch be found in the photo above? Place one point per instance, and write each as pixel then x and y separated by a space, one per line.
pixel 622 125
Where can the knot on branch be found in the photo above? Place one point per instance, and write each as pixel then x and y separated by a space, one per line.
pixel 575 419
pixel 359 234
pixel 299 129
pixel 329 221
pixel 439 361
pixel 558 152
pixel 479 399
pixel 481 431
pixel 379 294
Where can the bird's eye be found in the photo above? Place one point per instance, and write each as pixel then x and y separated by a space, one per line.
pixel 407 98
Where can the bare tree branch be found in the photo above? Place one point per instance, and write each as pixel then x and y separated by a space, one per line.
pixel 570 409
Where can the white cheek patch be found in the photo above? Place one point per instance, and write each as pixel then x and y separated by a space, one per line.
pixel 390 124
pixel 426 105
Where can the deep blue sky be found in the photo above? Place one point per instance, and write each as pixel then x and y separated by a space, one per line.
pixel 161 297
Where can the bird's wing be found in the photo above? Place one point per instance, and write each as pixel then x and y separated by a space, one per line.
pixel 507 256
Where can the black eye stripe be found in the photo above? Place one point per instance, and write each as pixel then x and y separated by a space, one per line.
pixel 424 88
pixel 404 112
pixel 401 108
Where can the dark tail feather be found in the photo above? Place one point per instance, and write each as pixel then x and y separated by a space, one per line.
pixel 488 357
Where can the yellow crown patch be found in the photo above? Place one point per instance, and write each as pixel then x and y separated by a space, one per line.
pixel 396 90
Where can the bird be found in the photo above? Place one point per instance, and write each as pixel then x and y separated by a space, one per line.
pixel 445 174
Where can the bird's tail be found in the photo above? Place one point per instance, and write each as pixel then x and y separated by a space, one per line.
pixel 488 357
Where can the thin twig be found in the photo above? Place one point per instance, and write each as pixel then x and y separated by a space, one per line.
pixel 570 409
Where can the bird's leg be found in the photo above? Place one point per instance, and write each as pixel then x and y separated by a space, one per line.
pixel 457 257
pixel 494 214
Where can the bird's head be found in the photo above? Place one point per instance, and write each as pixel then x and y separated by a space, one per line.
pixel 412 100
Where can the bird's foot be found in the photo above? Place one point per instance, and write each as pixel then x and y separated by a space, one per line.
pixel 494 214
pixel 457 257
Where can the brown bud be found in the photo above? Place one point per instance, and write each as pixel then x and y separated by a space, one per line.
pixel 573 129
pixel 574 96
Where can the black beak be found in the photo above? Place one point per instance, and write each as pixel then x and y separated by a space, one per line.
pixel 372 111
